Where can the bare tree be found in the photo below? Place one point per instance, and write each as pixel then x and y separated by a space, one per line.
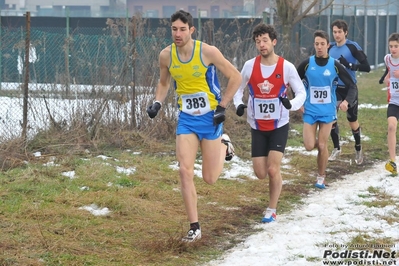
pixel 290 12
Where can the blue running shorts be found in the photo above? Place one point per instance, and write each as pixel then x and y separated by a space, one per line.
pixel 311 119
pixel 202 126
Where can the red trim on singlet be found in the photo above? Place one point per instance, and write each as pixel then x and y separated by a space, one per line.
pixel 277 81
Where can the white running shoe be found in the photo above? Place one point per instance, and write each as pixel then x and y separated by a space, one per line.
pixel 192 235
pixel 230 148
pixel 270 216
pixel 320 182
pixel 334 154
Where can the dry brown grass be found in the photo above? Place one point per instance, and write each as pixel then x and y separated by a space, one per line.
pixel 41 223
pixel 12 154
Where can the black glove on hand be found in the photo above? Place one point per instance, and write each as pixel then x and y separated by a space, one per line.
pixel 153 109
pixel 219 115
pixel 381 81
pixel 240 109
pixel 343 61
pixel 286 102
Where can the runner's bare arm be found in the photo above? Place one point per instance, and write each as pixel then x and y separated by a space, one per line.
pixel 164 75
pixel 212 55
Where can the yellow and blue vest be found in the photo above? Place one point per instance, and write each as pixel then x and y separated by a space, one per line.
pixel 196 84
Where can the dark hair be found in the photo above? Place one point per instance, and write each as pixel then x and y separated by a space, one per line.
pixel 321 34
pixel 393 37
pixel 184 16
pixel 263 28
pixel 340 24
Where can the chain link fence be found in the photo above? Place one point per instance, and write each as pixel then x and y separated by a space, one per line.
pixel 77 76
pixel 104 76
pixel 90 77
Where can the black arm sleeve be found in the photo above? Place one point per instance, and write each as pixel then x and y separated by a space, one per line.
pixel 363 65
pixel 346 78
pixel 301 69
pixel 361 57
pixel 384 75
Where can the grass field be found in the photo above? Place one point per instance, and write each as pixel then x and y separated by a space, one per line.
pixel 42 221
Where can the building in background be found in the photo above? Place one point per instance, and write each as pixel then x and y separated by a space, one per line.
pixel 163 8
pixel 363 7
pixel 146 8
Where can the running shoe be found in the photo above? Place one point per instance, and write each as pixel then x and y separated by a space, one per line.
pixel 390 166
pixel 230 148
pixel 270 216
pixel 320 182
pixel 334 154
pixel 359 157
pixel 192 235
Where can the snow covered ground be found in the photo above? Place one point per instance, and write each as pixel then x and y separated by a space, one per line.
pixel 319 231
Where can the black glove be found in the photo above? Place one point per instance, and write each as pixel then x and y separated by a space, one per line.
pixel 240 109
pixel 287 104
pixel 344 62
pixel 381 81
pixel 219 115
pixel 153 109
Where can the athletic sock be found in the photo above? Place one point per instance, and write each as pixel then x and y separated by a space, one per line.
pixel 356 136
pixel 335 135
pixel 194 226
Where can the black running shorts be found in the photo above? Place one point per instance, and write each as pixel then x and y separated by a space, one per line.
pixel 265 141
pixel 393 110
pixel 351 114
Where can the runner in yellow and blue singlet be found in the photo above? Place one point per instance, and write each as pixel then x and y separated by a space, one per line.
pixel 198 91
pixel 192 64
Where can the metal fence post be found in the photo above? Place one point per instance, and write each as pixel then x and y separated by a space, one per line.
pixel 127 26
pixel 1 52
pixel 67 78
pixel 376 38
pixel 365 32
pixel 397 17
pixel 134 69
pixel 199 24
pixel 329 19
pixel 26 83
pixel 387 30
